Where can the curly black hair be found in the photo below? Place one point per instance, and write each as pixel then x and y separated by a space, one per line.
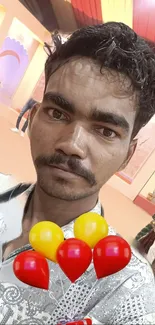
pixel 114 46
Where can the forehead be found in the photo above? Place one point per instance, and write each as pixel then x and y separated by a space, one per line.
pixel 80 81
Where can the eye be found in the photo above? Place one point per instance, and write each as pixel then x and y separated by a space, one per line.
pixel 56 115
pixel 107 133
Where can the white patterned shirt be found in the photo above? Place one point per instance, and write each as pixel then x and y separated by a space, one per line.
pixel 125 298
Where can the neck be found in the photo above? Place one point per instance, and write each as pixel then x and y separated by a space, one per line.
pixel 59 211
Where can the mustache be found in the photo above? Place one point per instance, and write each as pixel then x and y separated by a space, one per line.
pixel 73 163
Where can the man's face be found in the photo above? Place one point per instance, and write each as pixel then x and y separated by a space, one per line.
pixel 80 135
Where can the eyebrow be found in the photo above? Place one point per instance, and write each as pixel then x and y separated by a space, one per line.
pixel 110 118
pixel 96 115
pixel 59 100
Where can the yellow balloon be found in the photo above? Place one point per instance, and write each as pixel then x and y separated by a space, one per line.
pixel 90 227
pixel 45 238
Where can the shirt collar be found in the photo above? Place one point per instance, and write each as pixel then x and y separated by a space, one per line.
pixel 11 215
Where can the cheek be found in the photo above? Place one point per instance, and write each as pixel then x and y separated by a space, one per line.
pixel 108 161
pixel 42 139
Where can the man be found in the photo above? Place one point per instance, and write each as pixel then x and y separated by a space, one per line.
pixel 29 104
pixel 99 92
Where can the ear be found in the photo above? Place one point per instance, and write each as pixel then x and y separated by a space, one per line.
pixel 132 148
pixel 33 111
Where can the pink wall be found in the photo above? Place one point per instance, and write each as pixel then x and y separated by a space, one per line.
pixel 39 89
pixel 16 14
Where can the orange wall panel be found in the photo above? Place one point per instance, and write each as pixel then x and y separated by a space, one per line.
pixel 117 10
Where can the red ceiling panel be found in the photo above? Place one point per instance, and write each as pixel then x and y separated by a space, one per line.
pixel 87 12
pixel 144 18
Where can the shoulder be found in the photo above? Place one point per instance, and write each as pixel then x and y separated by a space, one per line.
pixel 142 273
pixel 132 288
pixel 136 276
pixel 137 293
pixel 13 197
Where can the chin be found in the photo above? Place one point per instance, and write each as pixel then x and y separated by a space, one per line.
pixel 63 190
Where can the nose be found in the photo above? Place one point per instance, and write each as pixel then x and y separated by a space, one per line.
pixel 73 141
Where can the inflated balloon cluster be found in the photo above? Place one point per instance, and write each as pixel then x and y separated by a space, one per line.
pixel 110 254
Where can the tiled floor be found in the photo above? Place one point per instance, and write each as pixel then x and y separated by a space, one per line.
pixel 15 159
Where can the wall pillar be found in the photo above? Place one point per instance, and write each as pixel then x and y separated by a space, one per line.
pixel 5 26
pixel 31 76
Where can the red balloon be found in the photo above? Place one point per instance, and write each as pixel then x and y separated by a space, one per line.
pixel 85 321
pixel 74 256
pixel 111 254
pixel 32 268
